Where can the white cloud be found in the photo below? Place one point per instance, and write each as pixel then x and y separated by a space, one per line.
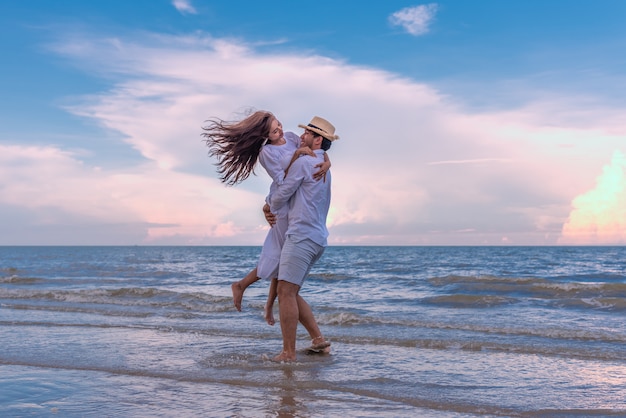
pixel 411 166
pixel 474 161
pixel 598 216
pixel 415 20
pixel 55 192
pixel 184 6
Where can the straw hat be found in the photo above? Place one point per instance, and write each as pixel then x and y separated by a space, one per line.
pixel 321 127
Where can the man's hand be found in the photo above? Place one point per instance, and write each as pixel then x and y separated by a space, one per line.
pixel 269 216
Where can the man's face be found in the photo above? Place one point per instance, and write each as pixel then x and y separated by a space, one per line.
pixel 308 137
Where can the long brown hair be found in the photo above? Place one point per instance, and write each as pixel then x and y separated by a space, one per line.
pixel 237 144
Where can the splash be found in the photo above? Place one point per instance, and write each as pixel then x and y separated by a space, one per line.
pixel 599 215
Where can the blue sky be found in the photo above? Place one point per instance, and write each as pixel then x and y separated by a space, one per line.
pixel 462 122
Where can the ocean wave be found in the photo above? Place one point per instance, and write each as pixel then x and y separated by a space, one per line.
pixel 601 303
pixel 487 345
pixel 87 309
pixel 14 279
pixel 148 302
pixel 553 333
pixel 470 301
pixel 328 277
pixel 529 287
pixel 129 296
pixel 607 303
pixel 478 344
pixel 344 319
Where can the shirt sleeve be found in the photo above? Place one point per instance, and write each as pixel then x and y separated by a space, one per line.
pixel 293 138
pixel 270 161
pixel 290 184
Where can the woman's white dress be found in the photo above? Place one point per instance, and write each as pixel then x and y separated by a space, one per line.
pixel 275 159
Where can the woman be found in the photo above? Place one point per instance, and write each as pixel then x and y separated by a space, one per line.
pixel 238 146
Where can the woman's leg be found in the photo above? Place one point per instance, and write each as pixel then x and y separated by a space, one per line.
pixel 269 306
pixel 239 287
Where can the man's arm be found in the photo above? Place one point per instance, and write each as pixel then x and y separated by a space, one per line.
pixel 290 185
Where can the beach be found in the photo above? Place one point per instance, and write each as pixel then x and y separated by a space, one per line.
pixel 415 331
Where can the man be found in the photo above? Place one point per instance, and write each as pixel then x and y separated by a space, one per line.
pixel 306 236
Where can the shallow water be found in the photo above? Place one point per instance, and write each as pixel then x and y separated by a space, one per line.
pixel 415 331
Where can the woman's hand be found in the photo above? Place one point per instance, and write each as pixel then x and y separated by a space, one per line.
pixel 323 169
pixel 269 216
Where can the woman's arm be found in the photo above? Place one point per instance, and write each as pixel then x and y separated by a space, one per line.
pixel 297 154
pixel 324 167
pixel 271 163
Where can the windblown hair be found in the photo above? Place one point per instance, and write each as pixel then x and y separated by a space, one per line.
pixel 237 145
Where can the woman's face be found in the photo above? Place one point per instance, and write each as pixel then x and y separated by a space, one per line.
pixel 276 131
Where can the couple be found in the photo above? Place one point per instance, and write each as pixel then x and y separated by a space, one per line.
pixel 296 208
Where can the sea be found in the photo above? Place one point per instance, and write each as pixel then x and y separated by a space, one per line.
pixel 148 331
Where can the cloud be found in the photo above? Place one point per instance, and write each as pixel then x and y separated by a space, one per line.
pixel 412 166
pixel 415 20
pixel 50 196
pixel 184 6
pixel 474 161
pixel 599 215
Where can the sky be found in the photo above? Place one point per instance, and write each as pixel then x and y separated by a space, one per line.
pixel 483 122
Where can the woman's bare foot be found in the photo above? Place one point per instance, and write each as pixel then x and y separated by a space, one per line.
pixel 269 314
pixel 284 357
pixel 237 295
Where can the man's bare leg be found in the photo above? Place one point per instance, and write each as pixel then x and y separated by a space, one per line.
pixel 287 298
pixel 307 319
pixel 239 287
pixel 269 306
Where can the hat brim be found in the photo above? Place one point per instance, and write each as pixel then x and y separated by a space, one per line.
pixel 319 132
